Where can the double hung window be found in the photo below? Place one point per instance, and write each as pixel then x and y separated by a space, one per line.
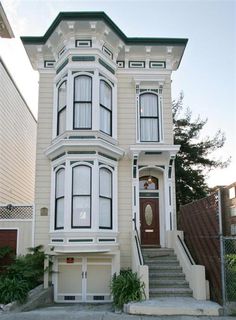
pixel 59 198
pixel 105 107
pixel 149 117
pixel 61 108
pixel 83 102
pixel 105 199
pixel 81 196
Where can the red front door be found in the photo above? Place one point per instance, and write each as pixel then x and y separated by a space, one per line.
pixel 149 216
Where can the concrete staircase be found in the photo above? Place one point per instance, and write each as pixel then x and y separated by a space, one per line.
pixel 166 278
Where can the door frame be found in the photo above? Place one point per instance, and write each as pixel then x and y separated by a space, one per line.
pixel 140 213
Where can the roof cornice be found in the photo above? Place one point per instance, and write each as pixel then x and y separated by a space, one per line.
pixel 100 15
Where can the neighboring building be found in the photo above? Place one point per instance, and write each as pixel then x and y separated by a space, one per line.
pixel 229 209
pixel 17 159
pixel 105 153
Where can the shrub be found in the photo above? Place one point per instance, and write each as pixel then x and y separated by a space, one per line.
pixel 13 289
pixel 126 287
pixel 24 274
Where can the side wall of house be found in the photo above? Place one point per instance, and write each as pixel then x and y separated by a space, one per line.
pixel 43 167
pixel 17 144
pixel 127 128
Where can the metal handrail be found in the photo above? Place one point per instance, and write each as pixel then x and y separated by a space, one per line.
pixel 138 242
pixel 186 250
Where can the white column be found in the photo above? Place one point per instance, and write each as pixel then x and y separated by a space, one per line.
pixel 70 101
pixel 95 101
pixel 95 197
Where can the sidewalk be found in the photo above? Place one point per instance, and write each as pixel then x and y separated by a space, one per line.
pixel 74 312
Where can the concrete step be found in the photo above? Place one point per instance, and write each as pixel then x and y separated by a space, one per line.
pixel 168 306
pixel 161 262
pixel 165 268
pixel 170 292
pixel 166 283
pixel 166 275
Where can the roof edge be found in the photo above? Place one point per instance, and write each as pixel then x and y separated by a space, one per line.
pixel 100 15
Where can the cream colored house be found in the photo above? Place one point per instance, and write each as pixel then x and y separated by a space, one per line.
pixel 105 153
pixel 17 158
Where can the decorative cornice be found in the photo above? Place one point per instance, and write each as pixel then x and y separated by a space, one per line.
pixel 101 16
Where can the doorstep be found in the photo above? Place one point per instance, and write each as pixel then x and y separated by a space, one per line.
pixel 174 306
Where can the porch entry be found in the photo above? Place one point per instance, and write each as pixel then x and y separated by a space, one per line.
pixel 149 211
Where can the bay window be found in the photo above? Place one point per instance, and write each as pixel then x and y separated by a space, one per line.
pixel 81 196
pixel 105 199
pixel 105 107
pixel 149 117
pixel 61 108
pixel 83 102
pixel 59 198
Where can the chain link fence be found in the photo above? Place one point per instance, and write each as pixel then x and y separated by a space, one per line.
pixel 229 275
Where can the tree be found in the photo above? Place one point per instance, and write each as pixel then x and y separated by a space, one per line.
pixel 194 159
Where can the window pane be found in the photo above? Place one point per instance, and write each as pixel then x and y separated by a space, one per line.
pixel 105 183
pixel 60 176
pixel 81 211
pixel 83 88
pixel 82 115
pixel 62 96
pixel 148 105
pixel 105 94
pixel 59 213
pixel 61 121
pixel 81 180
pixel 105 120
pixel 149 130
pixel 105 213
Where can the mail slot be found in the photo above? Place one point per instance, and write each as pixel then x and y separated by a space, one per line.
pixel 149 230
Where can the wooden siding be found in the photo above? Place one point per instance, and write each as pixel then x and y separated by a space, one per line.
pixel 17 144
pixel 43 166
pixel 127 113
pixel 125 211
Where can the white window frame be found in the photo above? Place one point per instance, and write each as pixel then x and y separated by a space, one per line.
pixel 160 116
pixel 97 74
pixel 68 163
pixel 112 196
pixel 54 185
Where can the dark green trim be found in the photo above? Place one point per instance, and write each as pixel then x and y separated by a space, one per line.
pixel 101 16
pixel 59 156
pixel 105 156
pixel 83 58
pixel 149 195
pixel 153 152
pixel 82 137
pixel 81 152
pixel 106 240
pixel 62 65
pixel 80 240
pixel 161 62
pixel 57 240
pixel 73 72
pixel 106 66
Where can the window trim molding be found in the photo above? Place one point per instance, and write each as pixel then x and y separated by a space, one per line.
pixel 109 169
pixel 80 164
pixel 77 75
pixel 65 106
pixel 158 117
pixel 104 107
pixel 55 197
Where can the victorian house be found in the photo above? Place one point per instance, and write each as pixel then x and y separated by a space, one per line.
pixel 105 155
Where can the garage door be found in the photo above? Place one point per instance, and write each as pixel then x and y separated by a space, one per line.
pixel 8 238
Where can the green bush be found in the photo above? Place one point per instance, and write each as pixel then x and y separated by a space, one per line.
pixel 13 289
pixel 24 274
pixel 126 287
pixel 29 268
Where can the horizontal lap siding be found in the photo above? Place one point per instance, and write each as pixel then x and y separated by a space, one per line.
pixel 17 145
pixel 43 166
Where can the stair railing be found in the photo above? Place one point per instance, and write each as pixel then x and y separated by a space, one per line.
pixel 188 254
pixel 138 242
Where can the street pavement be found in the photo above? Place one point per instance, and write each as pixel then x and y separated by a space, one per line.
pixel 89 312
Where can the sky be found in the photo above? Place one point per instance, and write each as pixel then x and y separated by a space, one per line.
pixel 206 76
